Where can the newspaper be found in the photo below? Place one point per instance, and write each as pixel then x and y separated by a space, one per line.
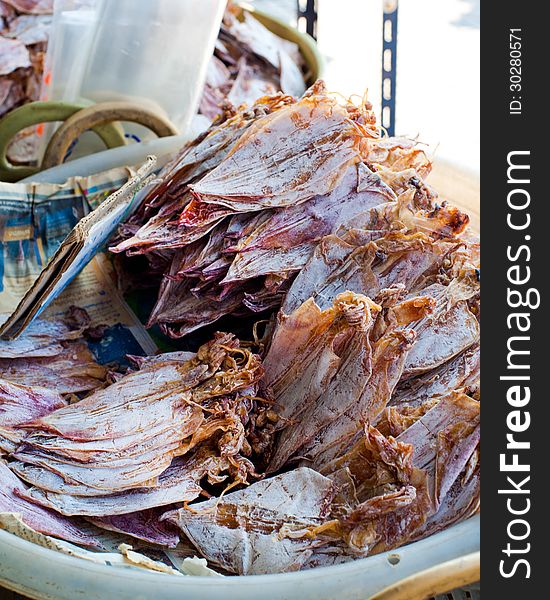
pixel 35 218
pixel 95 290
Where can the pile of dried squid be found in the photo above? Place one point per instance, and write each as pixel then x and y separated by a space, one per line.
pixel 349 427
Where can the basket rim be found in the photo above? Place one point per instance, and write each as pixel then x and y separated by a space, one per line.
pixel 440 579
pixel 468 529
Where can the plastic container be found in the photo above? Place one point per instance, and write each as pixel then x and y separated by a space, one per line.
pixel 149 52
pixel 73 26
pixel 45 574
pixel 134 154
pixel 152 52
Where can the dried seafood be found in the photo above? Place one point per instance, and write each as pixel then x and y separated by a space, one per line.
pixel 40 519
pixel 24 29
pixel 116 452
pixel 243 239
pixel 354 428
pixel 262 529
pixel 24 32
pixel 249 61
pixel 71 371
pixel 39 371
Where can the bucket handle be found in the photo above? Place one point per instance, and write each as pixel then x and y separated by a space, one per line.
pixel 100 115
pixel 34 113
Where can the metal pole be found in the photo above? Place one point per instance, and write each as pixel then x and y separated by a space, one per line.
pixel 389 64
pixel 307 11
